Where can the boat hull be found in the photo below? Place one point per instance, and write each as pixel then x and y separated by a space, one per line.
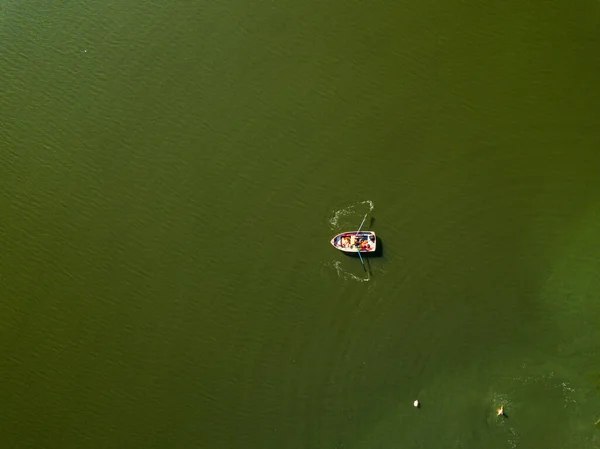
pixel 355 242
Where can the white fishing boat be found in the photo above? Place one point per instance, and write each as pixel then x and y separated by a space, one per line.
pixel 355 242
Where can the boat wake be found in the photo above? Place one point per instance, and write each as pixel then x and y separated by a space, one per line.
pixel 346 275
pixel 353 210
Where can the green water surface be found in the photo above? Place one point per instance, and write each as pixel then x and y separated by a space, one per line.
pixel 171 174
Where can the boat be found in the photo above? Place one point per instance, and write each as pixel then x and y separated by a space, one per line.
pixel 355 242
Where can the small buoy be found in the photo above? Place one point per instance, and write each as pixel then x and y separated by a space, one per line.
pixel 500 411
pixel 416 404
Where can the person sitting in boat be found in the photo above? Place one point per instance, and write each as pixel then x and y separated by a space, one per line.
pixel 346 242
pixel 364 245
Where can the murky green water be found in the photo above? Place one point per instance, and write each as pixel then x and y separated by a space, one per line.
pixel 171 174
